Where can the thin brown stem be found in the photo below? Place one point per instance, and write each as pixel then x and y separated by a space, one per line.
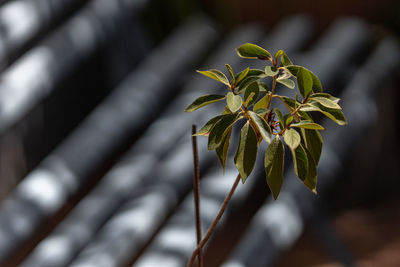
pixel 215 222
pixel 196 188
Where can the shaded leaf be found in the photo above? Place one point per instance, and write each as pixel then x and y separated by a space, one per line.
pixel 274 164
pixel 311 181
pixel 292 138
pixel 233 101
pixel 203 101
pixel 306 124
pixel 230 71
pixel 264 87
pixel 253 88
pixel 262 111
pixel 246 153
pixel 300 162
pixel 280 117
pixel 246 82
pixel 248 50
pixel 241 75
pixel 262 126
pixel 216 75
pixel 305 82
pixel 313 142
pixel 221 127
pixel 316 83
pixel 205 130
pixel 222 150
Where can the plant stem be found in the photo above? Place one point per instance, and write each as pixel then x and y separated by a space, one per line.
pixel 196 188
pixel 215 222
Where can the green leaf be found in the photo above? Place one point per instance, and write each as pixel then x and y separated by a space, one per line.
pixel 316 83
pixel 222 150
pixel 278 54
pixel 274 164
pixel 205 130
pixel 264 87
pixel 262 111
pixel 286 82
pixel 288 119
pixel 269 71
pixel 233 101
pixel 230 71
pixel 216 75
pixel 252 89
pixel 246 153
pixel 305 82
pixel 326 95
pixel 280 117
pixel 311 180
pixel 241 75
pixel 262 103
pixel 219 130
pixel 325 102
pixel 300 162
pixel 289 103
pixel 317 86
pixel 285 60
pixel 246 82
pixel 306 124
pixel 262 126
pixel 253 51
pixel 334 114
pixel 203 101
pixel 292 138
pixel 313 142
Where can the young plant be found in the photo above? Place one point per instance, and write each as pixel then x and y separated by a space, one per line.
pixel 249 99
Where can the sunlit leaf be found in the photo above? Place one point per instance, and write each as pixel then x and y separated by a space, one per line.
pixel 292 138
pixel 253 51
pixel 233 101
pixel 326 95
pixel 205 130
pixel 246 153
pixel 203 101
pixel 325 102
pixel 262 103
pixel 334 114
pixel 306 124
pixel 274 164
pixel 216 75
pixel 270 71
pixel 286 82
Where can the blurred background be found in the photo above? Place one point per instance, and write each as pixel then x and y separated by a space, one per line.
pixel 95 152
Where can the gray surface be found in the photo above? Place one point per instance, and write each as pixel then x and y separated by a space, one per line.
pixel 62 173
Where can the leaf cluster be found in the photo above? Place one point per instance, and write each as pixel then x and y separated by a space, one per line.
pixel 249 98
